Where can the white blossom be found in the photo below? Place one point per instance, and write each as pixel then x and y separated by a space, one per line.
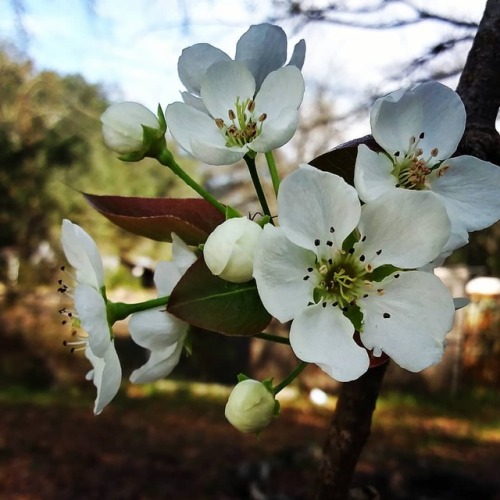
pixel 419 130
pixel 327 267
pixel 155 329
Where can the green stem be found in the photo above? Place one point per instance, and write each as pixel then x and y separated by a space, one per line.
pixel 258 186
pixel 273 171
pixel 290 378
pixel 272 338
pixel 166 158
pixel 120 310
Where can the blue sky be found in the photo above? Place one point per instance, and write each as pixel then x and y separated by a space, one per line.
pixel 132 46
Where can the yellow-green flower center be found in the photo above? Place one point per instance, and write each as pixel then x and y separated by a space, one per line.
pixel 242 126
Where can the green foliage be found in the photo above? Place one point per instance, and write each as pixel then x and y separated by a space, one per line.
pixel 51 149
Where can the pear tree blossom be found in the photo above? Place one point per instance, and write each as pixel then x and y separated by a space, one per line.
pixel 419 130
pixel 335 267
pixel 155 329
pixel 239 118
pixel 262 49
pixel 91 312
pixel 229 249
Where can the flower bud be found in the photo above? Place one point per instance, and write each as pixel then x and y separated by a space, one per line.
pixel 122 127
pixel 230 248
pixel 251 406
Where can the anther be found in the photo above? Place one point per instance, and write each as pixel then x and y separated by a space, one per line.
pixel 330 261
pixel 351 251
pixel 396 276
pixel 397 153
pixel 387 315
pixel 332 229
pixel 422 135
pixel 324 305
pixel 329 243
pixel 378 252
pixel 434 152
pixel 362 258
pixel 335 304
pixel 363 239
pixel 309 269
pixel 365 296
pixel 345 309
pixel 316 242
pixel 262 117
pixel 231 114
pixel 220 123
pixel 305 278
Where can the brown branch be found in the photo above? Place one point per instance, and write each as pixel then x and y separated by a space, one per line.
pixel 479 88
pixel 349 430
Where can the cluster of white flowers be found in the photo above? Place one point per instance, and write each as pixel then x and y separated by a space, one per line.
pixel 351 266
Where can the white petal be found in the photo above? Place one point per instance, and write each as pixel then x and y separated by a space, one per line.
pixel 279 270
pixel 194 63
pixel 223 84
pixel 82 253
pixel 159 365
pixel 404 228
pixel 323 335
pixel 166 276
pixel 186 123
pixel 106 375
pixel 276 132
pixel 470 190
pixel 262 49
pixel 182 256
pixel 194 102
pixel 315 205
pixel 421 313
pixel 156 329
pixel 216 152
pixel 431 108
pixel 298 55
pixel 91 309
pixel 282 89
pixel 372 174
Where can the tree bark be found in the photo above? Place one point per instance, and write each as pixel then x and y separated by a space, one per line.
pixel 349 430
pixel 479 88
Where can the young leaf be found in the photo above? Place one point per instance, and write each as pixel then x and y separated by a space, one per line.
pixel 211 303
pixel 156 218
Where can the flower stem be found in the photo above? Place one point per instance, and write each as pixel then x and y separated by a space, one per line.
pixel 120 310
pixel 272 338
pixel 273 171
pixel 258 186
pixel 290 378
pixel 166 158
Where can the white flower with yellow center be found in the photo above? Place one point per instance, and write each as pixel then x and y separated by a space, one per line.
pixel 91 312
pixel 328 267
pixel 419 130
pixel 238 120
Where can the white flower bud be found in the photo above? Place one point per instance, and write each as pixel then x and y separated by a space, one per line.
pixel 122 126
pixel 250 406
pixel 230 248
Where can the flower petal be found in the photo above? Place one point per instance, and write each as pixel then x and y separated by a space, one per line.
pixel 82 253
pixel 420 310
pixel 155 329
pixel 470 190
pixel 182 256
pixel 194 63
pixel 298 55
pixel 214 153
pixel 91 309
pixel 282 89
pixel 106 375
pixel 194 102
pixel 262 49
pixel 404 228
pixel 323 335
pixel 159 365
pixel 315 205
pixel 431 108
pixel 223 84
pixel 279 269
pixel 276 132
pixel 372 174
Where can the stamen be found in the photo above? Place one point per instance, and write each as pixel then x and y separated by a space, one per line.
pixel 329 243
pixel 387 315
pixel 378 252
pixel 332 229
pixel 316 242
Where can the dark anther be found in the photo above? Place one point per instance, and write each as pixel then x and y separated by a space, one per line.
pixel 332 229
pixel 309 269
pixel 63 322
pixel 422 135
pixel 63 268
pixel 316 242
pixel 363 239
pixel 353 302
pixel 396 153
pixel 335 304
pixel 345 309
pixel 398 185
pixel 59 282
pixel 387 315
pixel 324 305
pixel 351 251
pixel 305 278
pixel 378 252
pixel 330 261
pixel 329 243
pixel 396 275
pixel 362 258
pixel 365 295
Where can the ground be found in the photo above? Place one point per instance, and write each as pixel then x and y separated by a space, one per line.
pixel 173 442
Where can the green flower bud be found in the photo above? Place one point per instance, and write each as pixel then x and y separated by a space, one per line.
pixel 229 250
pixel 251 406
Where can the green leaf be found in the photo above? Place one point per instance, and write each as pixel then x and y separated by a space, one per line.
pixel 206 301
pixel 157 218
pixel 341 159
